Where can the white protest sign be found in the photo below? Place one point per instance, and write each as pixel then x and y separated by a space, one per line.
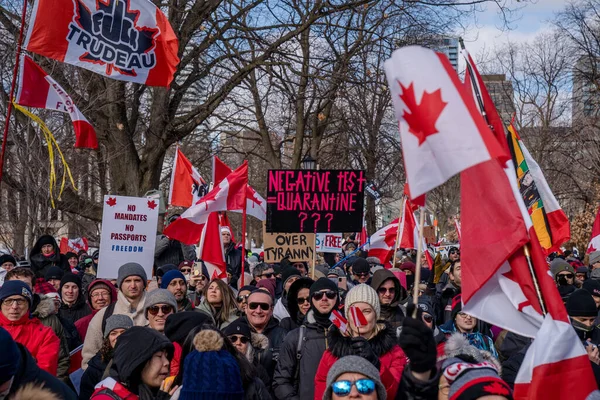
pixel 128 234
pixel 329 242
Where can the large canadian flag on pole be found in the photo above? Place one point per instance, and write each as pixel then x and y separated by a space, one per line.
pixel 595 239
pixel 229 195
pixel 129 40
pixel 210 249
pixel 37 89
pixel 441 129
pixel 187 186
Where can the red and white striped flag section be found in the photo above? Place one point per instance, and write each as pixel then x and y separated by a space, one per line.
pixel 338 320
pixel 187 185
pixel 382 243
pixel 75 245
pixel 358 318
pixel 210 249
pixel 441 129
pixel 255 203
pixel 229 195
pixel 409 231
pixel 595 239
pixel 457 227
pixel 37 89
pixel 128 40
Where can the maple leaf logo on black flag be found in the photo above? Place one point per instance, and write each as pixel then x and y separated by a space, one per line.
pixel 111 37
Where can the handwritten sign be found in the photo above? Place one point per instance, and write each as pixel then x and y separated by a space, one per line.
pixel 295 246
pixel 329 242
pixel 315 201
pixel 128 234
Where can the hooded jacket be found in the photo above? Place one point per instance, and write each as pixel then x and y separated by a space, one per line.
pixel 296 318
pixel 393 313
pixel 285 383
pixel 391 358
pixel 40 340
pixel 40 263
pixel 28 372
pixel 233 259
pixel 82 324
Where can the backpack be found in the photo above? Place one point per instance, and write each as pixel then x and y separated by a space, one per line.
pixel 301 335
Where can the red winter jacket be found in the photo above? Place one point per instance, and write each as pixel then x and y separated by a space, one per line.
pixel 109 389
pixel 40 340
pixel 391 357
pixel 82 324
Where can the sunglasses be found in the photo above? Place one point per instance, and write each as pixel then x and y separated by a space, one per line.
pixel 427 318
pixel 165 309
pixel 302 300
pixel 362 274
pixel 235 338
pixel 186 270
pixel 383 290
pixel 568 276
pixel 454 252
pixel 343 388
pixel 242 298
pixel 330 295
pixel 267 275
pixel 263 306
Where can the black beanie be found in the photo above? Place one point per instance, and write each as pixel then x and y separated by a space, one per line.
pixel 322 284
pixel 54 272
pixel 72 278
pixel 70 254
pixel 592 286
pixel 178 325
pixel 7 258
pixel 581 304
pixel 46 239
pixel 360 266
pixel 287 273
pixel 239 327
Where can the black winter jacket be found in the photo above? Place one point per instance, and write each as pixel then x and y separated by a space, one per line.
pixel 91 377
pixel 79 310
pixel 29 372
pixel 285 383
pixel 268 357
pixel 40 264
pixel 256 390
pixel 233 259
pixel 414 389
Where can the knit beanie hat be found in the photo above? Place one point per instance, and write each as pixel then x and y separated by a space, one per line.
pixel 582 270
pixel 360 266
pixel 456 306
pixel 117 321
pixel 53 272
pixel 408 265
pixel 135 346
pixel 10 356
pixel 322 284
pixel 70 254
pixel 169 276
pixel 7 258
pixel 471 381
pixel 592 286
pixel 594 257
pixel 159 296
pixel 558 265
pixel 362 294
pixel 358 365
pixel 268 284
pixel 16 288
pixel 238 327
pixel 211 372
pixel 226 229
pixel 163 269
pixel 179 325
pixel 131 269
pixel 46 239
pixel 581 304
pixel 70 278
pixel 595 274
pixel 287 273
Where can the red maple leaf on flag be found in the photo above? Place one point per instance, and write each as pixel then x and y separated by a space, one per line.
pixel 390 236
pixel 151 204
pixel 591 249
pixel 496 388
pixel 421 117
pixel 111 201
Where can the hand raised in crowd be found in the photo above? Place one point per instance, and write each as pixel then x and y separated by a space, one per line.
pixel 417 342
pixel 362 348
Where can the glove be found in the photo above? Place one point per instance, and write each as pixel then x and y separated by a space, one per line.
pixel 362 348
pixel 417 342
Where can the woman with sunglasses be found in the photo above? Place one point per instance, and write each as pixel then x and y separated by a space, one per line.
pixel 353 377
pixel 298 300
pixel 367 338
pixel 219 302
pixel 159 304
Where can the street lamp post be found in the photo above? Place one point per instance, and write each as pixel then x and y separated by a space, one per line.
pixel 308 163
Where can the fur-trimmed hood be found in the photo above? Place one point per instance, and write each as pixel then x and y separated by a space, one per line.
pixel 258 342
pixel 382 343
pixel 44 307
pixel 32 391
pixel 457 345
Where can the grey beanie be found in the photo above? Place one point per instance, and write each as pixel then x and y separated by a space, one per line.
pixel 117 321
pixel 356 365
pixel 559 265
pixel 159 296
pixel 594 257
pixel 362 294
pixel 131 269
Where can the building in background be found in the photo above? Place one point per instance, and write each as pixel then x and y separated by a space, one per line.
pixel 447 45
pixel 502 94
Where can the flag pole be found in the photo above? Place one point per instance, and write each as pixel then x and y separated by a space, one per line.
pixel 314 258
pixel 244 235
pixel 400 224
pixel 418 264
pixel 11 95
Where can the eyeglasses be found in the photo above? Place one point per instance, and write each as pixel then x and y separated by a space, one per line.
pixel 427 318
pixel 454 252
pixel 165 309
pixel 242 298
pixel 185 270
pixel 235 338
pixel 263 306
pixel 302 300
pixel 383 290
pixel 343 388
pixel 18 302
pixel 464 315
pixel 567 276
pixel 96 295
pixel 268 275
pixel 330 295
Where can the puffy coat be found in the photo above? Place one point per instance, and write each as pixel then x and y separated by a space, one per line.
pixel 109 389
pixel 393 313
pixel 167 251
pixel 91 377
pixel 391 357
pixel 286 385
pixel 40 263
pixel 77 311
pixel 29 372
pixel 40 340
pixel 83 323
pixel 268 357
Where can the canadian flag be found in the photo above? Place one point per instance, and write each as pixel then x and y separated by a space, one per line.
pixel 75 245
pixel 383 242
pixel 129 40
pixel 210 249
pixel 187 186
pixel 595 239
pixel 37 89
pixel 358 318
pixel 441 130
pixel 338 320
pixel 255 203
pixel 229 195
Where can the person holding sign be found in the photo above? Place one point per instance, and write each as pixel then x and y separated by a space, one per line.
pixel 367 338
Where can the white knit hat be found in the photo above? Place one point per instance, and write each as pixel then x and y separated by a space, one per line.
pixel 362 294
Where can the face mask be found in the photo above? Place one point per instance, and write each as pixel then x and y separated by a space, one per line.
pixel 581 327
